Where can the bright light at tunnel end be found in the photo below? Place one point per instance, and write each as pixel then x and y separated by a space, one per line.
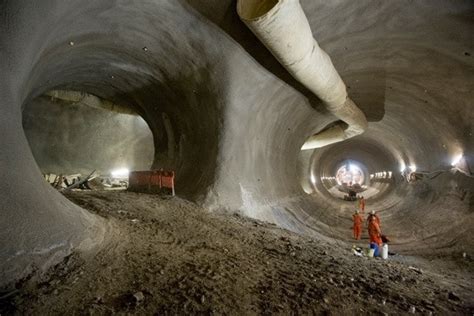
pixel 349 174
pixel 402 166
pixel 456 160
pixel 120 173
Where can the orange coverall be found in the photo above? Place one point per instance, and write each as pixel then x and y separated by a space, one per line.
pixel 357 225
pixel 377 218
pixel 375 234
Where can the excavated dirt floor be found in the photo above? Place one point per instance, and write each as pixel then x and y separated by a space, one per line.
pixel 170 257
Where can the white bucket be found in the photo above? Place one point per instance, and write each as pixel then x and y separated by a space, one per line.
pixel 371 253
pixel 384 251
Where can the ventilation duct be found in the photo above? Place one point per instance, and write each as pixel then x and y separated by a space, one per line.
pixel 283 28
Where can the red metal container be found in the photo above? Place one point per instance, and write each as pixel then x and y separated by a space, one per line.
pixel 153 181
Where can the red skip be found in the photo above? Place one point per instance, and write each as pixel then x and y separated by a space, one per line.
pixel 153 181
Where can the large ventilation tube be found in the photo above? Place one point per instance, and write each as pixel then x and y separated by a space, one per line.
pixel 283 28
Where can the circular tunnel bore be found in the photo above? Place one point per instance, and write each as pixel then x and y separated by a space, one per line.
pixel 391 192
pixel 350 180
pixel 73 134
pixel 350 174
pixel 353 169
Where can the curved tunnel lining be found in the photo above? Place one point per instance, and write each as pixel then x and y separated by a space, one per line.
pixel 70 136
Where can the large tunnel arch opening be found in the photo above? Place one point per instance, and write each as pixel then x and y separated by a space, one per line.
pixel 71 132
pixel 125 79
pixel 349 179
pixel 367 163
pixel 169 84
pixel 399 180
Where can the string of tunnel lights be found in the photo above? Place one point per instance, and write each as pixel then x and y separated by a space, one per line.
pixel 353 174
pixel 376 175
pixel 381 175
pixel 458 163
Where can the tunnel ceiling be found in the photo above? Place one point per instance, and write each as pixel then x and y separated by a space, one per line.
pixel 229 118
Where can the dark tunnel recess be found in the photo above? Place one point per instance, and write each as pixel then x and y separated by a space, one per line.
pixel 74 134
pixel 109 111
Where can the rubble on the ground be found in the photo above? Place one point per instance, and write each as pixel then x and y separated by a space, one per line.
pixel 93 181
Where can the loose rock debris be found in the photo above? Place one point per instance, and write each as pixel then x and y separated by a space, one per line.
pixel 92 181
pixel 181 259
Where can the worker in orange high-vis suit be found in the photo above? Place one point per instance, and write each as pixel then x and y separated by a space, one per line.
pixel 362 204
pixel 377 218
pixel 357 228
pixel 375 234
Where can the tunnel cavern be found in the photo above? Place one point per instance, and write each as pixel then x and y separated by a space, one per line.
pixel 173 157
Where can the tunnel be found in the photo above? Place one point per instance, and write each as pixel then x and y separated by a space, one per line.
pixel 187 86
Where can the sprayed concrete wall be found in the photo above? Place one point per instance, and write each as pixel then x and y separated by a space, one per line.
pixel 75 138
pixel 229 118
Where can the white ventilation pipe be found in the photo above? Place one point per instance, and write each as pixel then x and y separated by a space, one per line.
pixel 89 100
pixel 283 28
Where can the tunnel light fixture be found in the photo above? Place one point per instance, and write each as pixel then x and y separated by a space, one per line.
pixel 456 160
pixel 412 168
pixel 403 167
pixel 390 174
pixel 120 173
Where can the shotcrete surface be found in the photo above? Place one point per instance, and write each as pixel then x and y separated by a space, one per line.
pixel 231 121
pixel 75 138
